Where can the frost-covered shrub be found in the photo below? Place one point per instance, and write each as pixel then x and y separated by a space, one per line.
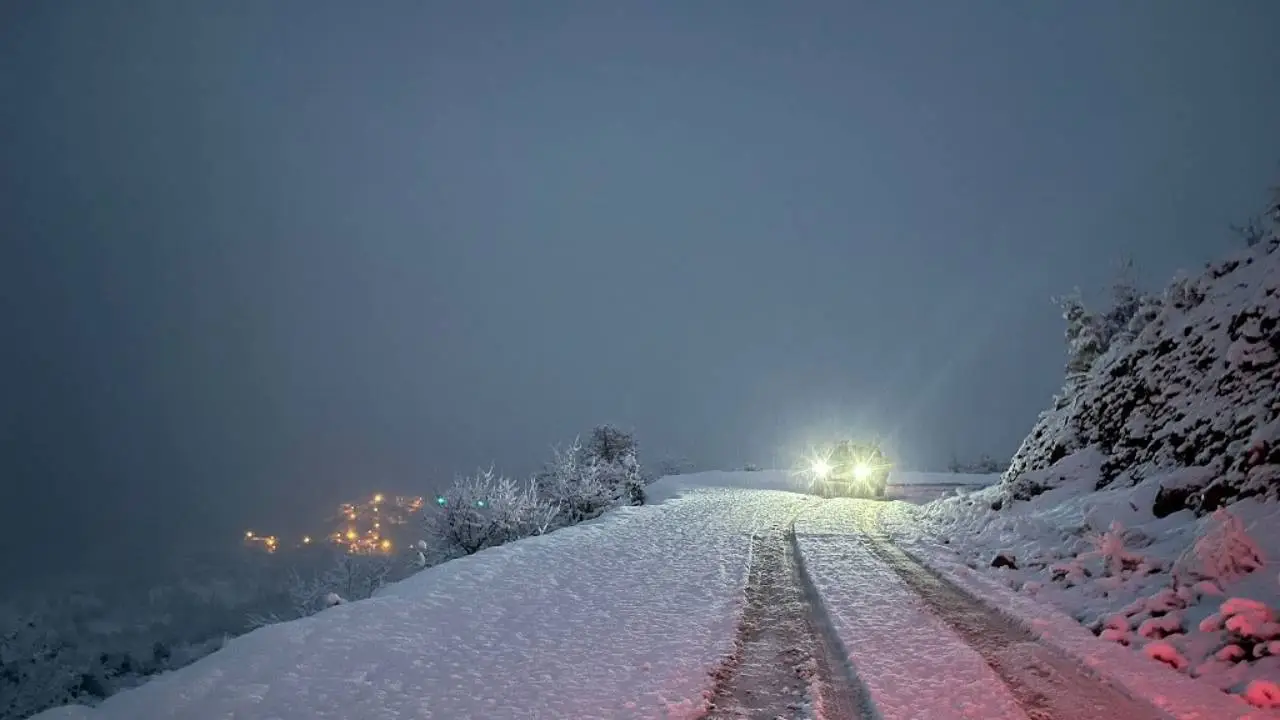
pixel 579 483
pixel 484 510
pixel 1221 553
pixel 612 459
pixel 585 480
pixel 571 482
pixel 1109 547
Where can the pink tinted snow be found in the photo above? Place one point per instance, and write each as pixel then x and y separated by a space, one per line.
pixel 1171 691
pixel 623 617
pixel 912 664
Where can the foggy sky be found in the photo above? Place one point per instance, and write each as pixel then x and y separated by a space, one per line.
pixel 260 257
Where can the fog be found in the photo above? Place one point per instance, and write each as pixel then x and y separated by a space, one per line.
pixel 259 258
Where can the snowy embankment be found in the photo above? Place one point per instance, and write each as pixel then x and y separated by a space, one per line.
pixel 961 545
pixel 1143 504
pixel 624 616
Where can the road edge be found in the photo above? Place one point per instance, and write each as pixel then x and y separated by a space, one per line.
pixel 1149 682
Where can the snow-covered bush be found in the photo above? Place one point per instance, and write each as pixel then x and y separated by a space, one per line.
pixel 1222 552
pixel 1090 335
pixel 613 460
pixel 484 510
pixel 585 480
pixel 1086 337
pixel 580 482
pixel 570 483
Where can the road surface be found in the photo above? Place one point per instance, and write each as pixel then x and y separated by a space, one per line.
pixel 793 661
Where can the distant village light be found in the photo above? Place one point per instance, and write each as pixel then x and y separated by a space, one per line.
pixel 361 532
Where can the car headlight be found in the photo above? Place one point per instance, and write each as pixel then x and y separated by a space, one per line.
pixel 821 468
pixel 862 471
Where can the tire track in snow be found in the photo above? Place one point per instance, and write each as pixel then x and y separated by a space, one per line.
pixel 785 665
pixel 1046 683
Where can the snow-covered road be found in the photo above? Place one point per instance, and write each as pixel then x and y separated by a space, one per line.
pixel 729 596
pixel 786 665
pixel 920 642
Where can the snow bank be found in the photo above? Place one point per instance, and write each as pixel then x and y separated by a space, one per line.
pixel 1142 502
pixel 1156 585
pixel 1162 685
pixel 620 617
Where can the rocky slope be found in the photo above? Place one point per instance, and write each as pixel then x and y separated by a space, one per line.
pixel 1197 389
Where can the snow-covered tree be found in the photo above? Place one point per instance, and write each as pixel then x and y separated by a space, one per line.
pixel 621 481
pixel 485 510
pixel 609 444
pixel 569 483
pixel 1086 340
pixel 579 483
pixel 612 459
pixel 1090 334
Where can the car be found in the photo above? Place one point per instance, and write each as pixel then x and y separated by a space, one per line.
pixel 850 469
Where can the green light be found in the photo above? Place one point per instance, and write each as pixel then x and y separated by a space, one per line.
pixel 440 500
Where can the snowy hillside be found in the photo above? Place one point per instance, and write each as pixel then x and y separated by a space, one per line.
pixel 1197 388
pixel 624 616
pixel 1143 502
